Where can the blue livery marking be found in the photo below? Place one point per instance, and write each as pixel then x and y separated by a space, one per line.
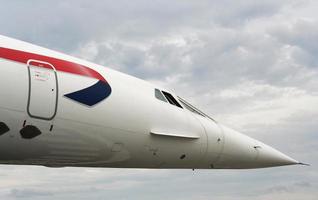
pixel 91 95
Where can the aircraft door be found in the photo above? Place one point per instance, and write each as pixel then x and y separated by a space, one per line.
pixel 43 90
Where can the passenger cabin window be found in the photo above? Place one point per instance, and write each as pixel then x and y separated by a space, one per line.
pixel 159 95
pixel 171 99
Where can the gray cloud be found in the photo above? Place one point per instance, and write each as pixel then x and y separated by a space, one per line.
pixel 300 34
pixel 67 23
pixel 26 193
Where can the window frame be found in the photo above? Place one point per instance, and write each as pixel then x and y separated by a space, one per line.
pixel 193 109
pixel 160 96
pixel 166 97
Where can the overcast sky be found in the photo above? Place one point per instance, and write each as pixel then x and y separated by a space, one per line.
pixel 252 65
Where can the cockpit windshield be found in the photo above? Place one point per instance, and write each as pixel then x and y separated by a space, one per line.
pixel 193 109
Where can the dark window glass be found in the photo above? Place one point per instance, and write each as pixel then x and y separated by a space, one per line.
pixel 171 99
pixel 159 95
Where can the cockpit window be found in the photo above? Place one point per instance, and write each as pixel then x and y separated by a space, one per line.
pixel 193 109
pixel 171 99
pixel 159 95
pixel 166 97
pixel 190 107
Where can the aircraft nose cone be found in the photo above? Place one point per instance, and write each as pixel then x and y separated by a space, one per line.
pixel 243 152
pixel 270 157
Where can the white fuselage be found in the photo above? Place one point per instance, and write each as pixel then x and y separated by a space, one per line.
pixel 129 128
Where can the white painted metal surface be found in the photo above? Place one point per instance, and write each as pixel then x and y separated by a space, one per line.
pixel 129 128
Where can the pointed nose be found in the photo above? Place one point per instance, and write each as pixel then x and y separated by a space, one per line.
pixel 270 157
pixel 243 152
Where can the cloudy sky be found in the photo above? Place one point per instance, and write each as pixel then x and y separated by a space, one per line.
pixel 252 65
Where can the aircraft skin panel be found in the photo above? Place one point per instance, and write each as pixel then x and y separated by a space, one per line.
pixel 57 110
pixel 79 136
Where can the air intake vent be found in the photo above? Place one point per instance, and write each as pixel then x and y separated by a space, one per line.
pixel 29 132
pixel 3 128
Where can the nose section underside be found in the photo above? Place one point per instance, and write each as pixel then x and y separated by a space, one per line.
pixel 243 152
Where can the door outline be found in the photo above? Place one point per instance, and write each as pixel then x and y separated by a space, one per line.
pixel 29 94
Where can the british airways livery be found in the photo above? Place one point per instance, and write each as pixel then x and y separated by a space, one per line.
pixel 57 111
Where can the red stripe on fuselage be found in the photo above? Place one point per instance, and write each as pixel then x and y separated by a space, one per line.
pixel 59 65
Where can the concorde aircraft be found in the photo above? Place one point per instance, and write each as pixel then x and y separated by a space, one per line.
pixel 58 111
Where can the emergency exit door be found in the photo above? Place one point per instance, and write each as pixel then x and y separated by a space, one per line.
pixel 43 90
